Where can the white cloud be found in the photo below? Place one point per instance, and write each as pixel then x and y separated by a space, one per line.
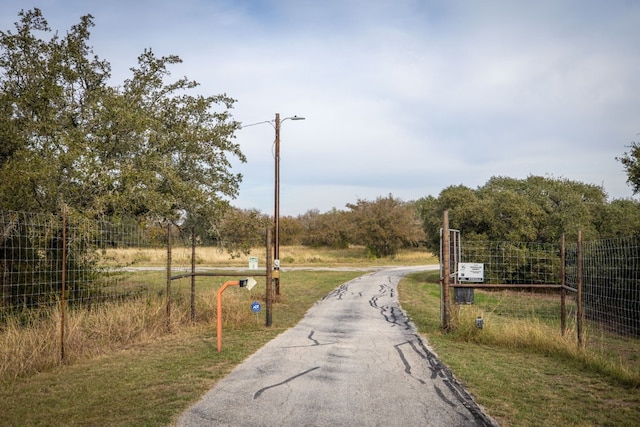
pixel 403 97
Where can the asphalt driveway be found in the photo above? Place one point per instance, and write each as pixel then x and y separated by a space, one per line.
pixel 355 359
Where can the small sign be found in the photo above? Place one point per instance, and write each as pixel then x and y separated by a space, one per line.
pixel 253 263
pixel 256 307
pixel 471 272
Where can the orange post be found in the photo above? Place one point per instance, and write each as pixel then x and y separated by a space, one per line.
pixel 219 310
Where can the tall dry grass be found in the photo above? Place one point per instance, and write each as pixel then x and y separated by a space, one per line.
pixel 542 337
pixel 106 327
pixel 25 350
pixel 289 256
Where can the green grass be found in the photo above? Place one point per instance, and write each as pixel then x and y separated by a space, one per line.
pixel 525 373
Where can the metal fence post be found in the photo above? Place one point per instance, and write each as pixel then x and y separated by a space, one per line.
pixel 580 313
pixel 446 271
pixel 63 279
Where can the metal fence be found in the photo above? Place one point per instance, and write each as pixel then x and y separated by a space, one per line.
pixel 609 273
pixel 590 290
pixel 46 258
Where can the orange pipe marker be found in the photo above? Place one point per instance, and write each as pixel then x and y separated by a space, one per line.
pixel 219 310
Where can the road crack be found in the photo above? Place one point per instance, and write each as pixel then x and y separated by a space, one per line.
pixel 262 390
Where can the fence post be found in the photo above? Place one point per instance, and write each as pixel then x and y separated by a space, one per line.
pixel 446 321
pixel 563 291
pixel 269 291
pixel 193 274
pixel 580 314
pixel 63 279
pixel 169 276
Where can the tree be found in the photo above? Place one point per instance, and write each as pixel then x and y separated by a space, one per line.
pixel 239 230
pixel 631 162
pixel 467 213
pixel 621 218
pixel 143 149
pixel 291 231
pixel 535 209
pixel 385 225
pixel 332 228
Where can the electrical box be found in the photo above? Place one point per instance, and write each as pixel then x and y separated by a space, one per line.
pixel 463 296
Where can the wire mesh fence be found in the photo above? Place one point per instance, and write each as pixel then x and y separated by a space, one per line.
pixel 610 284
pixel 595 283
pixel 534 271
pixel 43 256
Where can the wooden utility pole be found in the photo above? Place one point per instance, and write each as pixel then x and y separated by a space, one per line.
pixel 276 209
pixel 269 291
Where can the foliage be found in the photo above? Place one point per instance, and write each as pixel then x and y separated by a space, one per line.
pixel 385 225
pixel 291 231
pixel 535 209
pixel 142 149
pixel 332 229
pixel 631 162
pixel 240 230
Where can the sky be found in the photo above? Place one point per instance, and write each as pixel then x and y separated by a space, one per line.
pixel 400 97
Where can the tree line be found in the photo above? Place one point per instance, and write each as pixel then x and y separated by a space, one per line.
pixel 149 150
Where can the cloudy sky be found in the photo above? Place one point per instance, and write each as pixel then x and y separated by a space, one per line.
pixel 401 97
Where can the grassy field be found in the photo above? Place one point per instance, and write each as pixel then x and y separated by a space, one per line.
pixel 127 366
pixel 524 372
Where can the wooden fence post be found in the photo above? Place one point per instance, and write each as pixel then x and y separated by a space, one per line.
pixel 269 290
pixel 193 274
pixel 563 291
pixel 169 276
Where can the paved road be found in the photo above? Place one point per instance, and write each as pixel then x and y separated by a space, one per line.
pixel 355 359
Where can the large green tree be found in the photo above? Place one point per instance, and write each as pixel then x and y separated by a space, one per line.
pixel 385 225
pixel 145 148
pixel 631 162
pixel 535 209
pixel 333 228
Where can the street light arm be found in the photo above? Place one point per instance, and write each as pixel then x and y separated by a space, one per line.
pixel 271 122
pixel 258 123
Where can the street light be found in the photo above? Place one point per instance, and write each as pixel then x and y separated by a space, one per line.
pixel 276 199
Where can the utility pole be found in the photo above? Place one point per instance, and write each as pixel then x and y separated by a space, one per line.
pixel 276 210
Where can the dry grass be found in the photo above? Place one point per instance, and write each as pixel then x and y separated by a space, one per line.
pixel 104 329
pixel 289 256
